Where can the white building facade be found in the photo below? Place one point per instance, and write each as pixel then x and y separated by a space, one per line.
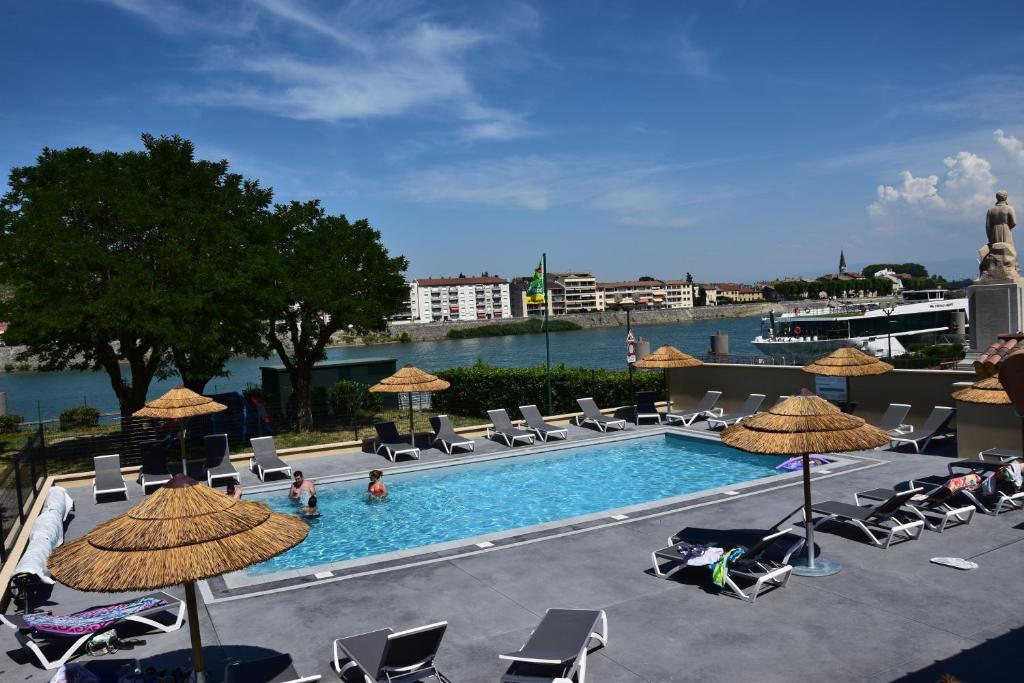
pixel 463 298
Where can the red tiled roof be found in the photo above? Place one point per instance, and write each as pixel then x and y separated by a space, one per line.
pixel 455 281
pixel 988 362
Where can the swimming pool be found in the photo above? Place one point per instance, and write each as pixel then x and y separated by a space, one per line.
pixel 452 503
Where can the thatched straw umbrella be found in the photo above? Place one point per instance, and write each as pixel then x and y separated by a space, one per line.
pixel 802 425
pixel 409 380
pixel 180 404
pixel 989 390
pixel 183 533
pixel 668 357
pixel 848 362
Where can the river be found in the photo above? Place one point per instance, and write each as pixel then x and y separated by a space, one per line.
pixel 31 394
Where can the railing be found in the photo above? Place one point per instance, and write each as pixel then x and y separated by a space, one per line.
pixel 21 479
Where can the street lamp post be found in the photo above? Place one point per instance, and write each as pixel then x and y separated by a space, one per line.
pixel 888 310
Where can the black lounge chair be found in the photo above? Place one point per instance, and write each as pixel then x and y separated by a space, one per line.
pixel 557 649
pixel 882 517
pixel 68 646
pixel 536 424
pixel 935 427
pixel 892 420
pixel 645 408
pixel 1000 500
pixel 592 415
pixel 939 500
pixel 154 465
pixel 446 435
pixel 387 657
pixel 108 477
pixel 389 441
pixel 218 459
pixel 705 408
pixel 264 458
pixel 502 426
pixel 748 409
pixel 274 669
pixel 760 563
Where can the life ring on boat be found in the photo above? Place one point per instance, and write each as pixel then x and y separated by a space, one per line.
pixel 796 330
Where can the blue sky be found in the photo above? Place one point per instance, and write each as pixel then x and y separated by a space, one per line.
pixel 733 140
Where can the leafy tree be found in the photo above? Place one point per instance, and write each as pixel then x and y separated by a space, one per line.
pixel 689 278
pixel 645 278
pixel 111 258
pixel 911 269
pixel 327 274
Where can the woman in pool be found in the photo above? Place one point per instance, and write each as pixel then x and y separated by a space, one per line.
pixel 377 490
pixel 311 510
pixel 233 491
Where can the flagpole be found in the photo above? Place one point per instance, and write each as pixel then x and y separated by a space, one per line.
pixel 547 340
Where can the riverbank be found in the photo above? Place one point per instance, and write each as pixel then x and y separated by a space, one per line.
pixel 418 332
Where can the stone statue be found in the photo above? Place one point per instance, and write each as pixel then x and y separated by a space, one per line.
pixel 998 258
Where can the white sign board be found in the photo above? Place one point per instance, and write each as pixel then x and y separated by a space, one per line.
pixel 830 388
pixel 630 347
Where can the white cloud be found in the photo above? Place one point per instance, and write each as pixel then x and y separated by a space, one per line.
pixel 965 189
pixel 358 62
pixel 648 196
pixel 1013 146
pixel 695 60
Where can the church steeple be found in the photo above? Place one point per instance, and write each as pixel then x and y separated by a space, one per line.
pixel 842 262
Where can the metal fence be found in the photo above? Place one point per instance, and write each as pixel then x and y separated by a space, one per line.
pixel 21 479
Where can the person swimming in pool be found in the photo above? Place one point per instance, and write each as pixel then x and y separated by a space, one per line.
pixel 311 509
pixel 377 490
pixel 302 489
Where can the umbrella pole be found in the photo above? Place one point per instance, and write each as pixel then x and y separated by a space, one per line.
pixel 193 627
pixel 668 392
pixel 412 429
pixel 181 441
pixel 807 564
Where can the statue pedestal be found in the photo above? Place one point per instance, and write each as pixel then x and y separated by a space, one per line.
pixel 994 309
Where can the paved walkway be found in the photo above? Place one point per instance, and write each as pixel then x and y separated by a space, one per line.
pixel 889 615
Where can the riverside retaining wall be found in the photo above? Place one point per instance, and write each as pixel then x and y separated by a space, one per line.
pixel 596 319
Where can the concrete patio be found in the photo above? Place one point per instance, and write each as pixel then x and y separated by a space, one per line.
pixel 890 615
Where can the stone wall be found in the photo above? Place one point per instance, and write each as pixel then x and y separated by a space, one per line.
pixel 596 319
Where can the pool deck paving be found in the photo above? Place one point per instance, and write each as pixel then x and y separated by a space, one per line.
pixel 889 615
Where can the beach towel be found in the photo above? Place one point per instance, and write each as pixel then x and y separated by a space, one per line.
pixel 720 570
pixel 90 621
pixel 971 482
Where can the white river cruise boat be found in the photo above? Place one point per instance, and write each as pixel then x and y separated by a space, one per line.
pixel 924 316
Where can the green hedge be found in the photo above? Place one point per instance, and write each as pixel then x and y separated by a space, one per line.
pixel 480 388
pixel 79 417
pixel 9 423
pixel 531 326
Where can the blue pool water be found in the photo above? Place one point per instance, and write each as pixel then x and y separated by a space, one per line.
pixel 460 502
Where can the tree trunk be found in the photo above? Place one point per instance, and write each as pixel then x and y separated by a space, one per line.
pixel 301 379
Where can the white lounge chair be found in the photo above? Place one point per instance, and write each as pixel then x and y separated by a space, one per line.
pixel 872 519
pixel 748 409
pixel 935 427
pixel 218 459
pixel 386 657
pixel 592 415
pixel 446 435
pixel 264 458
pixel 536 424
pixel 752 565
pixel 35 640
pixel 557 649
pixel 108 477
pixel 502 426
pixel 154 465
pixel 389 441
pixel 705 408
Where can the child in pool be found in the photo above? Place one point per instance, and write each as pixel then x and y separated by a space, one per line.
pixel 311 510
pixel 377 490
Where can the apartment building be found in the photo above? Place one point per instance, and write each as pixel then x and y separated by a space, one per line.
pixel 739 293
pixel 645 294
pixel 460 298
pixel 574 292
